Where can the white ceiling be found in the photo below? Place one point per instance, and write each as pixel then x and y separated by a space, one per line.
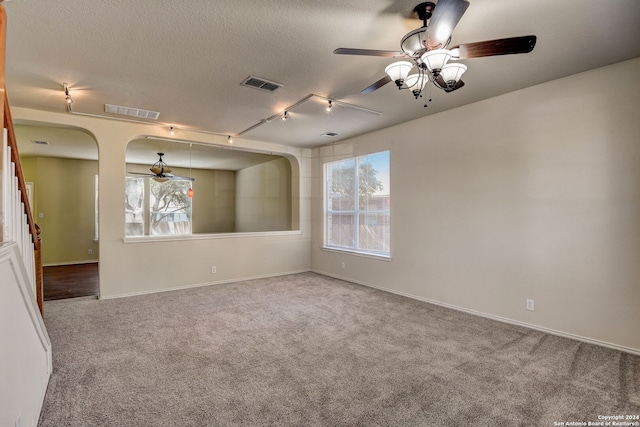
pixel 187 59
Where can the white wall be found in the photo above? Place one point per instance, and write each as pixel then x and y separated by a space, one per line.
pixel 533 194
pixel 25 349
pixel 140 267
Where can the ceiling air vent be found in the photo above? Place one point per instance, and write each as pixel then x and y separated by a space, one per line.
pixel 128 111
pixel 330 134
pixel 40 142
pixel 262 84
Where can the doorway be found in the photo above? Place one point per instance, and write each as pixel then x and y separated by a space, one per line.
pixel 61 163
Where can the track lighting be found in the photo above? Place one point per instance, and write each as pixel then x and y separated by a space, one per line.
pixel 67 97
pixel 229 139
pixel 285 116
pixel 171 131
pixel 330 106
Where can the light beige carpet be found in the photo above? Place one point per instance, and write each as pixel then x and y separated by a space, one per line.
pixel 308 350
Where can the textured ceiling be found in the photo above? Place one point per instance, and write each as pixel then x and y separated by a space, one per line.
pixel 187 59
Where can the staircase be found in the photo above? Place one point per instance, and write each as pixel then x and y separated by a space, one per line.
pixel 25 348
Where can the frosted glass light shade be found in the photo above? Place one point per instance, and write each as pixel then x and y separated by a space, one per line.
pixel 416 81
pixel 399 70
pixel 453 72
pixel 436 59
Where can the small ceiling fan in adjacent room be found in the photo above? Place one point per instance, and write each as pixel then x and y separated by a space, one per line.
pixel 426 50
pixel 161 172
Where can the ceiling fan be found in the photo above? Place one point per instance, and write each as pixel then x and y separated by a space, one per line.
pixel 426 50
pixel 161 172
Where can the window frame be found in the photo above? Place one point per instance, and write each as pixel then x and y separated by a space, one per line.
pixel 356 212
pixel 147 211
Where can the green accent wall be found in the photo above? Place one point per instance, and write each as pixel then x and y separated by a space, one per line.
pixel 64 195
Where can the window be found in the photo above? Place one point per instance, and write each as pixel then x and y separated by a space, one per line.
pixel 357 204
pixel 157 208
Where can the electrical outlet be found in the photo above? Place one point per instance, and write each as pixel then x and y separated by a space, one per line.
pixel 213 270
pixel 41 215
pixel 344 266
pixel 90 252
pixel 531 305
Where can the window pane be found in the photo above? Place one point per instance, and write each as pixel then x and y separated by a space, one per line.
pixel 134 206
pixel 341 185
pixel 169 207
pixel 373 232
pixel 340 230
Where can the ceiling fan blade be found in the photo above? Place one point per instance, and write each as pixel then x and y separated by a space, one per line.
pixel 439 81
pixel 377 85
pixel 445 17
pixel 508 46
pixel 140 173
pixel 370 52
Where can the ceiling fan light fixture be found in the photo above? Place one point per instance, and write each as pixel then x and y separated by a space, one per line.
pixel 398 71
pixel 452 73
pixel 436 59
pixel 414 41
pixel 416 82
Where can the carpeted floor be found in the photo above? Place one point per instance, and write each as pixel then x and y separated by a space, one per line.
pixel 308 350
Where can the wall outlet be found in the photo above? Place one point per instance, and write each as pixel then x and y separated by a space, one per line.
pixel 41 215
pixel 344 266
pixel 90 252
pixel 531 305
pixel 213 270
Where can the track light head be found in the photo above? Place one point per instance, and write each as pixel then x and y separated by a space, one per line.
pixel 67 97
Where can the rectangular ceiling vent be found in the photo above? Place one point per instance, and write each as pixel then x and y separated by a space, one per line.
pixel 40 142
pixel 262 84
pixel 128 111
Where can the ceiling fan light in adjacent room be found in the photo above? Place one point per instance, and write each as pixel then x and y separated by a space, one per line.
pixel 453 72
pixel 436 59
pixel 398 71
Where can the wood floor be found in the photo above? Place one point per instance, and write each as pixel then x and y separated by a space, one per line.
pixel 70 281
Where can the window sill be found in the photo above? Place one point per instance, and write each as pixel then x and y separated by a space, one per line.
pixel 356 253
pixel 149 239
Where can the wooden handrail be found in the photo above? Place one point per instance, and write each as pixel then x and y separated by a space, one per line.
pixel 5 113
pixel 15 158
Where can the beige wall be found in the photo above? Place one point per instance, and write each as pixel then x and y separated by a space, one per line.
pixel 147 265
pixel 263 199
pixel 214 201
pixel 533 194
pixel 64 193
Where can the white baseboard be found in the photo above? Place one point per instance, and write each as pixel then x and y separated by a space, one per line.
pixel 56 264
pixel 199 285
pixel 630 350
